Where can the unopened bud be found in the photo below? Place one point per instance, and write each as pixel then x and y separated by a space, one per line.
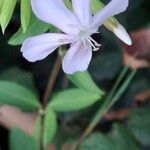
pixel 112 24
pixel 122 34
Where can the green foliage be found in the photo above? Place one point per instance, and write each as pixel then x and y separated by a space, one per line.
pixel 17 95
pixel 7 12
pixel 25 14
pixel 84 81
pixel 21 141
pixel 36 27
pixel 1 5
pixel 123 138
pixel 98 141
pixel 96 5
pixel 119 139
pixel 50 127
pixel 104 70
pixel 73 100
pixel 19 76
pixel 139 124
pixel 38 129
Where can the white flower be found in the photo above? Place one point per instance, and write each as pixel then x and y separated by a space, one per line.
pixel 77 28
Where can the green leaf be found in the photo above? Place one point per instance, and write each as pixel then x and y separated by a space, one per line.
pixel 19 76
pixel 139 124
pixel 53 29
pixel 25 14
pixel 38 129
pixel 96 5
pixel 18 140
pixel 17 95
pixel 50 127
pixel 68 4
pixel 84 81
pixel 98 141
pixel 119 139
pixel 36 27
pixel 123 138
pixel 1 5
pixel 6 13
pixel 73 100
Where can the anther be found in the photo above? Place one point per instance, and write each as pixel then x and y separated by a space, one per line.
pixel 96 44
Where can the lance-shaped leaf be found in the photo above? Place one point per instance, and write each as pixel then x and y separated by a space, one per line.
pixel 17 95
pixel 84 81
pixel 25 14
pixel 1 5
pixel 73 100
pixel 49 126
pixel 6 13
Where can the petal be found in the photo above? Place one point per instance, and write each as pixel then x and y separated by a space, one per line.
pixel 39 47
pixel 77 58
pixel 56 13
pixel 82 10
pixel 122 34
pixel 113 8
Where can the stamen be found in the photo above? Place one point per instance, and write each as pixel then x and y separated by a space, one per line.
pixel 96 49
pixel 91 43
pixel 96 44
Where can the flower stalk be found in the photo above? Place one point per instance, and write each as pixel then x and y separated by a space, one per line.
pixel 112 98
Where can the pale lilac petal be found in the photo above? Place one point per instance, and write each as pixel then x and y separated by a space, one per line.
pixel 38 47
pixel 122 34
pixel 82 10
pixel 77 58
pixel 113 8
pixel 56 13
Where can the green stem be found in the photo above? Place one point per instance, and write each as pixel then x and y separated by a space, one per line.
pixel 119 79
pixel 108 103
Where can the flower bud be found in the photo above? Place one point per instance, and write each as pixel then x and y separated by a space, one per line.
pixel 112 24
pixel 122 34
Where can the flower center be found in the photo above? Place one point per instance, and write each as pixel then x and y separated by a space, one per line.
pixel 85 37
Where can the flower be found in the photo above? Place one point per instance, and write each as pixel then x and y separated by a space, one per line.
pixel 77 27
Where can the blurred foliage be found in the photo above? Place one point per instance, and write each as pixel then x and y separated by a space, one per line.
pixel 131 132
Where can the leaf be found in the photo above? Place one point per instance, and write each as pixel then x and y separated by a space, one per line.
pixel 36 27
pixel 96 5
pixel 139 124
pixel 21 141
pixel 98 141
pixel 68 4
pixel 6 13
pixel 123 138
pixel 120 139
pixel 17 95
pixel 25 14
pixel 50 127
pixel 1 5
pixel 84 81
pixel 73 100
pixel 38 129
pixel 19 76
